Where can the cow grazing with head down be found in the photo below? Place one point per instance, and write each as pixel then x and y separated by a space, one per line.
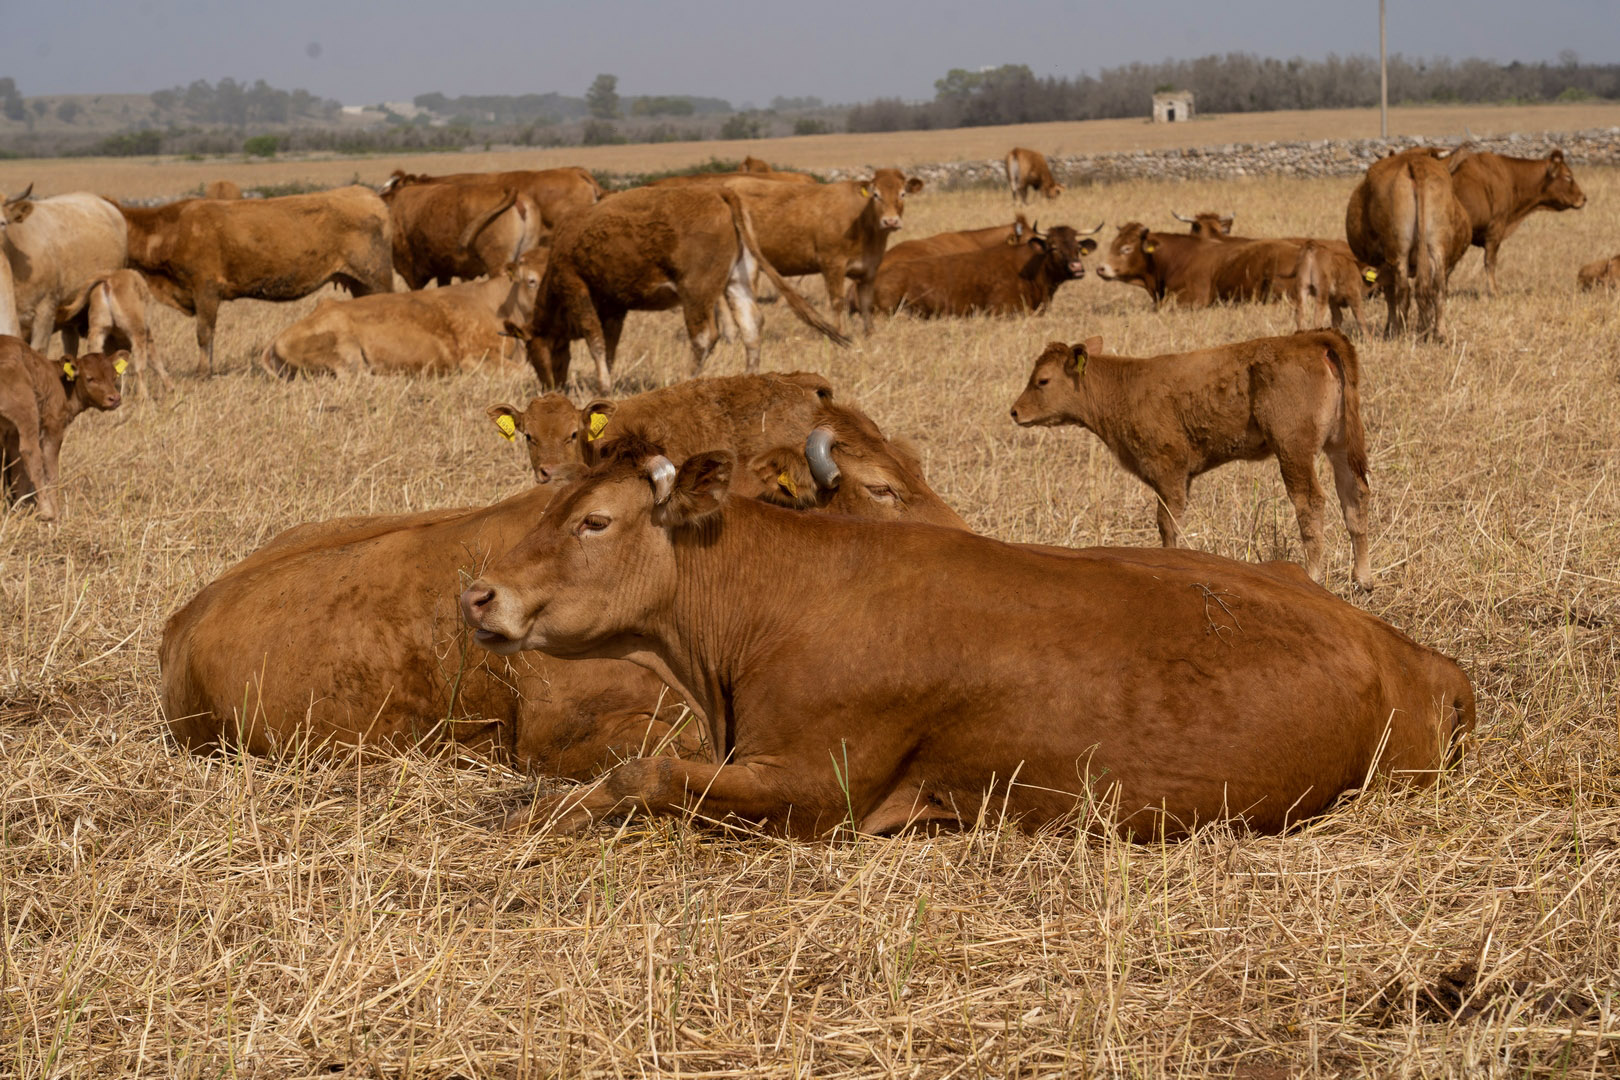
pixel 1604 273
pixel 884 674
pixel 39 398
pixel 1011 278
pixel 200 252
pixel 1498 192
pixel 56 248
pixel 652 249
pixel 1028 171
pixel 116 316
pixel 837 230
pixel 467 230
pixel 1170 418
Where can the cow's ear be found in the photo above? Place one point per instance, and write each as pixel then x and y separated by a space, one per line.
pixel 18 211
pixel 1074 364
pixel 914 184
pixel 784 478
pixel 1094 345
pixel 593 420
pixel 1557 156
pixel 1226 222
pixel 120 361
pixel 1087 246
pixel 701 485
pixel 506 420
pixel 68 369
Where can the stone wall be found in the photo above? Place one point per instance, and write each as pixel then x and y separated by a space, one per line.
pixel 1321 157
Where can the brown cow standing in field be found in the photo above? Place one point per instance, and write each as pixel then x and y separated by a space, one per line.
pixel 39 398
pixel 56 248
pixel 116 317
pixel 199 252
pixel 836 230
pixel 446 231
pixel 222 189
pixel 1027 170
pixel 1498 192
pixel 427 332
pixel 1603 273
pixel 877 675
pixel 1170 418
pixel 556 192
pixel 1008 279
pixel 652 249
pixel 1404 220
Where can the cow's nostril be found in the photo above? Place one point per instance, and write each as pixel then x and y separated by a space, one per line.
pixel 475 600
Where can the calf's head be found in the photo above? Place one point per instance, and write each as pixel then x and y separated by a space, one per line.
pixel 1130 256
pixel 601 560
pixel 550 430
pixel 1208 225
pixel 885 192
pixel 1053 383
pixel 92 380
pixel 516 313
pixel 1559 191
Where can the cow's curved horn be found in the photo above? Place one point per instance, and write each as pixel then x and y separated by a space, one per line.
pixel 1092 231
pixel 1178 217
pixel 27 191
pixel 661 471
pixel 818 452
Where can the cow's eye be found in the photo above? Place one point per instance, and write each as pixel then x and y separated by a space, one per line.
pixel 573 436
pixel 1043 380
pixel 593 523
pixel 883 492
pixel 1126 250
pixel 527 437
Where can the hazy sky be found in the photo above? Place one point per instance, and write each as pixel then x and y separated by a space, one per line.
pixel 745 51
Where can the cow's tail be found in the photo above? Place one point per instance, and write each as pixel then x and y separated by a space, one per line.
pixel 1310 285
pixel 801 307
pixel 1342 355
pixel 483 221
pixel 1012 172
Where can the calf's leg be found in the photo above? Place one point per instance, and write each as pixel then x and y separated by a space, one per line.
pixel 1353 501
pixel 1299 477
pixel 207 314
pixel 1172 493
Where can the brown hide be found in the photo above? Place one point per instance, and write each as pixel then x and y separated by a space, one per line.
pixel 222 189
pixel 199 252
pixel 688 179
pixel 956 243
pixel 1404 220
pixel 1498 192
pixel 836 230
pixel 445 231
pixel 652 249
pixel 876 674
pixel 1003 280
pixel 1196 272
pixel 556 192
pixel 1604 273
pixel 1170 418
pixel 117 317
pixel 39 398
pixel 56 248
pixel 1028 171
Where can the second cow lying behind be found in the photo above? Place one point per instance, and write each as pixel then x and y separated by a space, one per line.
pixel 1170 418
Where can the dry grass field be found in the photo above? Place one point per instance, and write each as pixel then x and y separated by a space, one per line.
pixel 162 915
pixel 142 178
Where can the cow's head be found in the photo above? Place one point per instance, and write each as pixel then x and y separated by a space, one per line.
pixel 1056 378
pixel 1130 256
pixel 885 192
pixel 1060 250
pixel 550 430
pixel 1559 191
pixel 1208 225
pixel 16 208
pixel 848 466
pixel 92 380
pixel 516 313
pixel 563 587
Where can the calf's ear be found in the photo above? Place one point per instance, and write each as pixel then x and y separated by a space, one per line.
pixel 593 421
pixel 120 361
pixel 506 420
pixel 784 478
pixel 701 485
pixel 1087 246
pixel 913 185
pixel 1074 365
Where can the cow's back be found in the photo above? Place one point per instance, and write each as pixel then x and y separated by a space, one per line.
pixel 60 250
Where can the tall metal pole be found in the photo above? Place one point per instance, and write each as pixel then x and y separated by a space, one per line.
pixel 1383 76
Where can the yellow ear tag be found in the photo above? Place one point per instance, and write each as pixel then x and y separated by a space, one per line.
pixel 1370 275
pixel 866 192
pixel 598 425
pixel 508 427
pixel 120 367
pixel 1150 246
pixel 69 370
pixel 787 484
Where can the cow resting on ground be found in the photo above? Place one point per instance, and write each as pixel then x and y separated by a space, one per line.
pixel 875 675
pixel 444 231
pixel 427 332
pixel 1028 171
pixel 651 249
pixel 1603 273
pixel 1008 279
pixel 39 398
pixel 57 248
pixel 1170 418
pixel 199 252
pixel 1196 272
pixel 1404 220
pixel 1498 192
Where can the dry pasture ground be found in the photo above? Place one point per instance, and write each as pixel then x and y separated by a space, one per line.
pixel 162 915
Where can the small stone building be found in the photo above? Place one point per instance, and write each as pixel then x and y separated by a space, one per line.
pixel 1172 106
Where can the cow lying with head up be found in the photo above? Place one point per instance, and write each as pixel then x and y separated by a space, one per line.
pixel 878 675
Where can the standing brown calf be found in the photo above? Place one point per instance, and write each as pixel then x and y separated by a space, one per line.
pixel 1170 418
pixel 39 398
pixel 1027 170
pixel 1326 281
pixel 115 317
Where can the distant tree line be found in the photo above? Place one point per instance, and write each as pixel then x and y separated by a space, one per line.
pixel 1234 83
pixel 601 101
pixel 237 104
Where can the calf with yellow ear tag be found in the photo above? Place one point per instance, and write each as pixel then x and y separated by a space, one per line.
pixel 39 398
pixel 550 428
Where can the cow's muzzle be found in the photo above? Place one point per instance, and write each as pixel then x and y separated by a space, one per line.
pixel 479 606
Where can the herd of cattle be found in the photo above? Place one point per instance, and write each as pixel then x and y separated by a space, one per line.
pixel 736 596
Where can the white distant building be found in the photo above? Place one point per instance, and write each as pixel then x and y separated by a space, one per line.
pixel 1172 106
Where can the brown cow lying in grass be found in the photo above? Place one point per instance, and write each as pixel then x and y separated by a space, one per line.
pixel 877 675
pixel 1008 279
pixel 1170 418
pixel 39 398
pixel 1600 274
pixel 284 634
